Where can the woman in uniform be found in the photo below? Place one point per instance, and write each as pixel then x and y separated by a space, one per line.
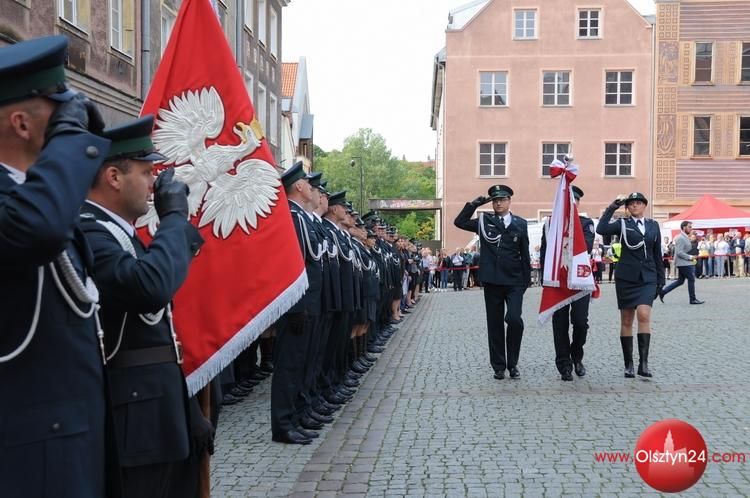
pixel 639 276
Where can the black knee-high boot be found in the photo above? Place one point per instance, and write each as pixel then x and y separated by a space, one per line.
pixel 644 341
pixel 627 353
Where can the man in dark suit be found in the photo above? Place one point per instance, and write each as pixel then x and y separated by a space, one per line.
pixel 137 283
pixel 289 401
pixel 505 272
pixel 53 408
pixel 569 354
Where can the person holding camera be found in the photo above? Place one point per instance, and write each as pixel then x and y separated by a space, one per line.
pixel 639 276
pixel 505 272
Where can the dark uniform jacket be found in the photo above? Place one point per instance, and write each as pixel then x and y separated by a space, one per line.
pixel 149 400
pixel 346 268
pixel 312 250
pixel 505 261
pixel 52 413
pixel 587 224
pixel 331 271
pixel 635 265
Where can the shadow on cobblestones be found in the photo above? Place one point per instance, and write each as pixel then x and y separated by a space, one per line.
pixel 429 419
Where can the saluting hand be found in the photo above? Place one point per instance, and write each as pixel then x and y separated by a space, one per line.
pixel 170 195
pixel 77 115
pixel 480 200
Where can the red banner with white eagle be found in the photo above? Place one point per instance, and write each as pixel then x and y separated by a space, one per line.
pixel 567 267
pixel 250 270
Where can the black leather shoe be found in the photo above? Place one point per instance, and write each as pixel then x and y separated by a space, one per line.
pixel 345 391
pixel 323 419
pixel 228 399
pixel 258 375
pixel 369 357
pixel 579 368
pixel 247 384
pixel 499 375
pixel 325 410
pixel 238 392
pixel 567 376
pixel 514 373
pixel 266 366
pixel 697 301
pixel 358 368
pixel 364 363
pixel 351 383
pixel 352 375
pixel 335 399
pixel 375 349
pixel 309 423
pixel 291 437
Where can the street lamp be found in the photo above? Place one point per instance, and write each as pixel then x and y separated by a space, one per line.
pixel 361 181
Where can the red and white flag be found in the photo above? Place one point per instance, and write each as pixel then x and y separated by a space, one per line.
pixel 567 267
pixel 250 270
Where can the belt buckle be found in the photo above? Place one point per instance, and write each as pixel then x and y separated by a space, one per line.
pixel 178 351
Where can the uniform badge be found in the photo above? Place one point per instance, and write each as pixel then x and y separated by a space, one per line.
pixel 87 216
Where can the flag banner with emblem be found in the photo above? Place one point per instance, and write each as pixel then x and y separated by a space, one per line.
pixel 250 269
pixel 567 268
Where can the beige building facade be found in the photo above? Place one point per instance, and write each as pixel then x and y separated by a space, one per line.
pixel 702 108
pixel 521 82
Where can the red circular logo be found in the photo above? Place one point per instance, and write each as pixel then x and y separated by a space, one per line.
pixel 671 455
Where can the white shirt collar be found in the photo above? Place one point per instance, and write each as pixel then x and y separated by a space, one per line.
pixel 129 229
pixel 309 215
pixel 16 175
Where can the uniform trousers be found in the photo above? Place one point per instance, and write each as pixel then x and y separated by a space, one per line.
pixel 503 303
pixel 146 481
pixel 290 352
pixel 568 352
pixel 316 357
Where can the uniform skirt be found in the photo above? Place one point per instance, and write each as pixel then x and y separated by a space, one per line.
pixel 630 295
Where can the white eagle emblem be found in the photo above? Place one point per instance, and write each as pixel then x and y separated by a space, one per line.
pixel 228 198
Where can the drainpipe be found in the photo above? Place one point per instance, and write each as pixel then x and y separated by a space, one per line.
pixel 239 34
pixel 145 47
pixel 652 114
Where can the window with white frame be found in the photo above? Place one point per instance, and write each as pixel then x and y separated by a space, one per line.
pixel 525 24
pixel 122 26
pixel 260 106
pixel 618 159
pixel 552 151
pixel 493 88
pixel 249 14
pixel 492 159
pixel 702 136
pixel 556 88
pixel 273 122
pixel 744 136
pixel 618 88
pixel 745 71
pixel 167 23
pixel 249 85
pixel 704 52
pixel 75 12
pixel 115 24
pixel 589 23
pixel 262 18
pixel 273 32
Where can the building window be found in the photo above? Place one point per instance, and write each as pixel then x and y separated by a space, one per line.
pixel 167 23
pixel 274 119
pixel 525 24
pixel 552 151
pixel 619 88
pixel 618 159
pixel 122 25
pixel 75 12
pixel 556 88
pixel 492 159
pixel 249 85
pixel 249 14
pixel 273 32
pixel 745 75
pixel 588 23
pixel 702 136
pixel 703 62
pixel 745 136
pixel 493 88
pixel 260 107
pixel 262 13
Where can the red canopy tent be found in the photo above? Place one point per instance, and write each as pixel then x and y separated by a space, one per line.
pixel 710 212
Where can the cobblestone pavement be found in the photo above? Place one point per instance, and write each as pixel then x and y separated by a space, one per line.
pixel 429 419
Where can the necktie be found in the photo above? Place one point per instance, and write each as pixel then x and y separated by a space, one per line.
pixel 640 226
